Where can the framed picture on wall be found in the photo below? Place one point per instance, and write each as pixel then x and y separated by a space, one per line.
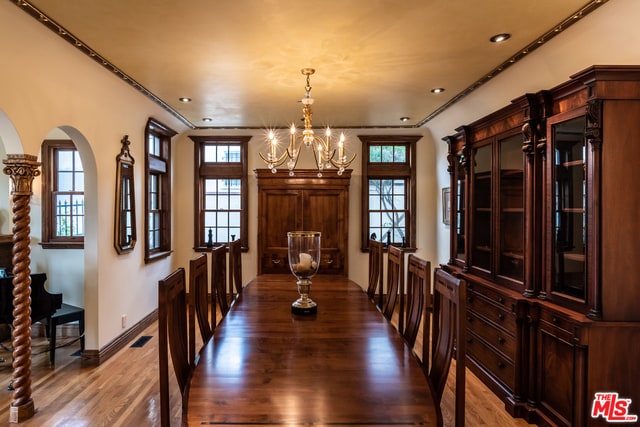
pixel 446 206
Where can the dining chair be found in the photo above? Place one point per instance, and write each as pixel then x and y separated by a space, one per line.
pixel 199 306
pixel 376 270
pixel 448 333
pixel 219 281
pixel 172 339
pixel 418 290
pixel 395 285
pixel 235 267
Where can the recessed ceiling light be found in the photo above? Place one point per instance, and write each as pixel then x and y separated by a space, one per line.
pixel 185 99
pixel 437 90
pixel 404 119
pixel 498 38
pixel 206 119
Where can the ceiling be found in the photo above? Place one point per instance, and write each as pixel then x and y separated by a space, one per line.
pixel 240 60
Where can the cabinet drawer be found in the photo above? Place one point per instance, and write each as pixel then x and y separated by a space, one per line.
pixel 496 297
pixel 275 262
pixel 496 314
pixel 502 341
pixel 330 261
pixel 562 326
pixel 493 362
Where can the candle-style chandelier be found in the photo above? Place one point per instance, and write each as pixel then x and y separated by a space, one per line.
pixel 326 156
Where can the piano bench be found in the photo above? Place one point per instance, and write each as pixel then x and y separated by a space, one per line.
pixel 65 314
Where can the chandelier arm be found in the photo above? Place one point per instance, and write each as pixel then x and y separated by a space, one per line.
pixel 344 164
pixel 297 153
pixel 278 162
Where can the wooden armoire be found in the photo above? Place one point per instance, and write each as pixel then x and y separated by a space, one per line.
pixel 306 202
pixel 545 229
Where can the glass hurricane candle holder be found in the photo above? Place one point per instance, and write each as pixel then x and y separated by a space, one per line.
pixel 304 260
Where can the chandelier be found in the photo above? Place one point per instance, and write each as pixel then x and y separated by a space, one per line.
pixel 325 154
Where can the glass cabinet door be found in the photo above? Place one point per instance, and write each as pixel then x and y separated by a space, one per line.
pixel 481 217
pixel 459 211
pixel 568 215
pixel 511 210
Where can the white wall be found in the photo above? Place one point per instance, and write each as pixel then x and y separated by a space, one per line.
pixel 46 84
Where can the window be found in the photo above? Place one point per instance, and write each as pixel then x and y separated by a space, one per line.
pixel 158 190
pixel 220 190
pixel 389 189
pixel 62 196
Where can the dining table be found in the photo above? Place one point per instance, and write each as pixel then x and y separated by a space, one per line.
pixel 346 365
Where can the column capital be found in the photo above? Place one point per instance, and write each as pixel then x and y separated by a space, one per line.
pixel 21 168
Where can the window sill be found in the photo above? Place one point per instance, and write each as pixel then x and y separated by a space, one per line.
pixel 156 256
pixel 62 245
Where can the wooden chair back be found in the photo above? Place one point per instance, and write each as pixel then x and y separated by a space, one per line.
pixel 449 327
pixel 172 338
pixel 418 301
pixel 376 270
pixel 235 267
pixel 199 307
pixel 219 281
pixel 395 284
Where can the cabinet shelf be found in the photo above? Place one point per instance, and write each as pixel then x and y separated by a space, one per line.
pixel 573 163
pixel 573 210
pixel 513 210
pixel 573 257
pixel 514 255
pixel 512 174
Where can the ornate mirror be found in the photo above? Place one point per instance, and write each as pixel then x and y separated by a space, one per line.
pixel 125 215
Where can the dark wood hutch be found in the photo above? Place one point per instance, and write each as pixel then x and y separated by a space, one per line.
pixel 303 202
pixel 545 230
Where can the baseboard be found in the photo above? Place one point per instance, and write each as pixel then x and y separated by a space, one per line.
pixel 96 357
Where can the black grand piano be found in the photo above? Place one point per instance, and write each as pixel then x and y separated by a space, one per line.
pixel 43 303
pixel 45 306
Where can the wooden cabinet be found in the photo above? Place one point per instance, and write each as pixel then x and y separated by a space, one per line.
pixel 562 350
pixel 544 229
pixel 495 328
pixel 302 202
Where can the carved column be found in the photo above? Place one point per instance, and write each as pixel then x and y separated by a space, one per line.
pixel 22 168
pixel 593 134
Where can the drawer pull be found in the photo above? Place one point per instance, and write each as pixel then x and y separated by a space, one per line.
pixel 469 299
pixel 275 261
pixel 501 365
pixel 469 340
pixel 554 320
pixel 501 340
pixel 469 319
pixel 501 316
pixel 501 300
pixel 330 261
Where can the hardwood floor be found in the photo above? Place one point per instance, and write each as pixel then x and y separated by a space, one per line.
pixel 124 390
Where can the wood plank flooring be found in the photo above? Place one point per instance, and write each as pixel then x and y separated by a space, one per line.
pixel 124 390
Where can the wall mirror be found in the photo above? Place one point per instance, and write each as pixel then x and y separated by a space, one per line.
pixel 125 215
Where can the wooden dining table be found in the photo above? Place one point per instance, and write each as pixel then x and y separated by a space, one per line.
pixel 344 366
